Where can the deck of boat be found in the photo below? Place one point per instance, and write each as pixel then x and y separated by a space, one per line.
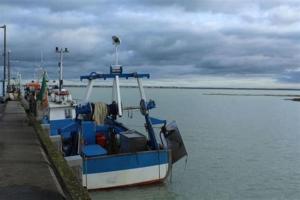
pixel 25 172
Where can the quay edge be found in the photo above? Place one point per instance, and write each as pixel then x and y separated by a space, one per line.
pixel 65 174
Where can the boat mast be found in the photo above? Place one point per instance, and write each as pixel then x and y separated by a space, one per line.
pixel 117 69
pixel 61 51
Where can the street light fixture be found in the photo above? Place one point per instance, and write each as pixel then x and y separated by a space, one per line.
pixel 116 41
pixel 4 60
pixel 61 51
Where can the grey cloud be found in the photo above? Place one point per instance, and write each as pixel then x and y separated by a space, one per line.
pixel 289 77
pixel 166 38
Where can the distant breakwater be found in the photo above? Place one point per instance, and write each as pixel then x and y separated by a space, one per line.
pixel 189 87
pixel 270 95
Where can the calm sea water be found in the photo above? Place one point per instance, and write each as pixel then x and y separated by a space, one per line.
pixel 240 147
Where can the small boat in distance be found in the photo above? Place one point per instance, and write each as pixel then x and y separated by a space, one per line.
pixel 112 154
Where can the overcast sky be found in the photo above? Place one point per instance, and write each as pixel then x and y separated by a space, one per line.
pixel 247 42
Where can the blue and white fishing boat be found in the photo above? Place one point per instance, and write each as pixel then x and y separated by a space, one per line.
pixel 112 154
pixel 61 107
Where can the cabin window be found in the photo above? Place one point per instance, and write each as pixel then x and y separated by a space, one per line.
pixel 68 113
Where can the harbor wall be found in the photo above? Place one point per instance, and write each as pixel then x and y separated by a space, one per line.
pixel 65 175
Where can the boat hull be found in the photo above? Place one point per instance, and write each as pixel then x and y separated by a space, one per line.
pixel 126 169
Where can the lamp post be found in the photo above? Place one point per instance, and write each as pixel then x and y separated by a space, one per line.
pixel 8 69
pixel 61 51
pixel 4 60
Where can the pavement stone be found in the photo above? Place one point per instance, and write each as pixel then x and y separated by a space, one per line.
pixel 25 172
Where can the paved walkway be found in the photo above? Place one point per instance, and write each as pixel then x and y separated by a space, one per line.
pixel 25 172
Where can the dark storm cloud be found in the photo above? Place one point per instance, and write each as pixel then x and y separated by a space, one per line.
pixel 167 38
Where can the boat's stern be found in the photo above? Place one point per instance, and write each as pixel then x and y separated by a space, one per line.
pixel 174 141
pixel 127 169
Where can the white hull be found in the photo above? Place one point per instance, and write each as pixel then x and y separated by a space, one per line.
pixel 127 177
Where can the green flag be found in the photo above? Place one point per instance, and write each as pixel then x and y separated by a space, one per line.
pixel 43 88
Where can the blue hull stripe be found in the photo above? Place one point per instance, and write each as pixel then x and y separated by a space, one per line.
pixel 125 161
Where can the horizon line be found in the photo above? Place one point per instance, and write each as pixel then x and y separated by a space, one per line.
pixel 188 87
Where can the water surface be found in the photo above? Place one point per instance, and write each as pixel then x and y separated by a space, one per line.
pixel 240 147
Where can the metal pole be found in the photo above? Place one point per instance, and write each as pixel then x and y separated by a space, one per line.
pixel 114 90
pixel 88 91
pixel 61 70
pixel 8 69
pixel 4 60
pixel 61 51
pixel 141 89
pixel 118 96
pixel 116 54
pixel 4 66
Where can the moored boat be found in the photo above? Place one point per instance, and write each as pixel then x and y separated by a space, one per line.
pixel 60 105
pixel 112 154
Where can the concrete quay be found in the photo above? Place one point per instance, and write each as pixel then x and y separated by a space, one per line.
pixel 25 171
